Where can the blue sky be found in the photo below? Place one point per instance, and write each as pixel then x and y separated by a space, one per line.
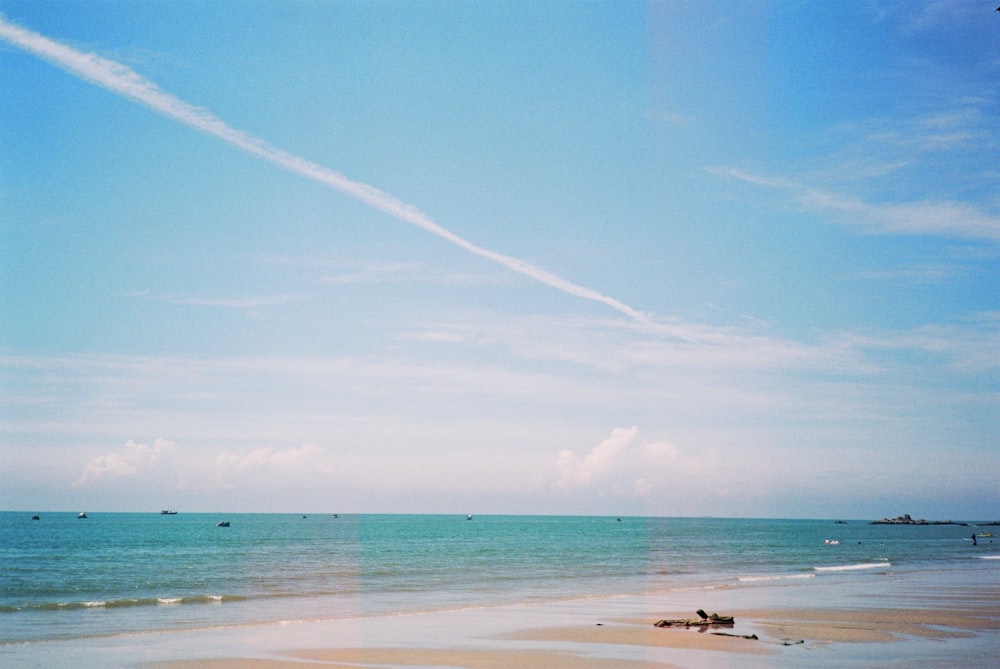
pixel 679 258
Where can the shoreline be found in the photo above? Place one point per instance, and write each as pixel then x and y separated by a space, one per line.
pixel 619 632
pixel 787 634
pixel 898 624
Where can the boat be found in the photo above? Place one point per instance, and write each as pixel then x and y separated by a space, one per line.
pixel 36 517
pixel 83 514
pixel 222 523
pixel 168 512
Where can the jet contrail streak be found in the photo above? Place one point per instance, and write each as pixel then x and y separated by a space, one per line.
pixel 125 82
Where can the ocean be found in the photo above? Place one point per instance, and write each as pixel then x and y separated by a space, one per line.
pixel 115 575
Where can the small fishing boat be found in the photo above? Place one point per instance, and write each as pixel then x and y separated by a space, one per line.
pixel 83 514
pixel 168 512
pixel 222 523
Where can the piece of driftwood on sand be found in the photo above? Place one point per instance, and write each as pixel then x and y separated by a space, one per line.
pixel 703 620
pixel 738 636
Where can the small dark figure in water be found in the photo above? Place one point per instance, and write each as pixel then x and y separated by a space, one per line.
pixel 974 542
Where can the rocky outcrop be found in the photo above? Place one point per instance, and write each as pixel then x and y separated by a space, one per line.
pixel 905 519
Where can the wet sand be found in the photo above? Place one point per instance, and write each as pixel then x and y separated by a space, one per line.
pixel 635 643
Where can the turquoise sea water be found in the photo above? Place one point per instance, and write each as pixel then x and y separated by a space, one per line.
pixel 64 578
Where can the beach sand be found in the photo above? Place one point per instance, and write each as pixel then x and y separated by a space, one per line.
pixel 633 642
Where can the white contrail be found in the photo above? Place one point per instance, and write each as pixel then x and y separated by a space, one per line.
pixel 121 80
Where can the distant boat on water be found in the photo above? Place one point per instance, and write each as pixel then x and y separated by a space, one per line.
pixel 83 514
pixel 222 523
pixel 168 512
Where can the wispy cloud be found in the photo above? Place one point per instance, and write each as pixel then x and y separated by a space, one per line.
pixel 356 273
pixel 371 273
pixel 957 128
pixel 928 273
pixel 968 348
pixel 925 217
pixel 939 15
pixel 123 81
pixel 249 303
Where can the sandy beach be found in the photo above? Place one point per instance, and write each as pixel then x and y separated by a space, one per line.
pixel 785 637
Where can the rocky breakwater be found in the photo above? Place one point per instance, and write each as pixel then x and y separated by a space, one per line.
pixel 905 519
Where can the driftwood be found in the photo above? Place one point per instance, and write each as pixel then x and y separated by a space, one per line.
pixel 703 620
pixel 738 636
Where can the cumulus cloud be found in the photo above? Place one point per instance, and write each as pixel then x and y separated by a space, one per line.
pixel 129 462
pixel 303 460
pixel 162 463
pixel 620 464
pixel 575 471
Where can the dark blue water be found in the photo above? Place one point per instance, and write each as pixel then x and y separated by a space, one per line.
pixel 63 577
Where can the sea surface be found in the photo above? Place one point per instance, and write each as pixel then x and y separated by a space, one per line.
pixel 63 578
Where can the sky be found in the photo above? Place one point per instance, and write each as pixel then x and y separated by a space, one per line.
pixel 619 258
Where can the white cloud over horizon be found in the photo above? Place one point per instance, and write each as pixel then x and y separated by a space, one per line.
pixel 134 460
pixel 545 361
pixel 168 466
pixel 621 465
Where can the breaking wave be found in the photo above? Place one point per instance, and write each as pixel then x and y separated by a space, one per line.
pixel 856 567
pixel 124 603
pixel 782 577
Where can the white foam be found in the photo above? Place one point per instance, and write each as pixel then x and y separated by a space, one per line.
pixel 753 579
pixel 856 567
pixel 168 600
